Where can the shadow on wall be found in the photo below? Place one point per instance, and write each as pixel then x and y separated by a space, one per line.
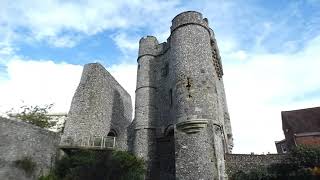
pixel 119 123
pixel 166 154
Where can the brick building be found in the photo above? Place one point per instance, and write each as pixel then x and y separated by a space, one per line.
pixel 300 127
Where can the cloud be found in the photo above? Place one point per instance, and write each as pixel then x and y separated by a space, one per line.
pixel 53 20
pixel 66 41
pixel 45 82
pixel 39 83
pixel 127 45
pixel 262 86
pixel 6 50
pixel 238 55
pixel 126 75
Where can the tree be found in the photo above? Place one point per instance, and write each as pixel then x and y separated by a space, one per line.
pixel 36 115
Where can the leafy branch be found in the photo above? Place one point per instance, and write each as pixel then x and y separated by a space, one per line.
pixel 36 115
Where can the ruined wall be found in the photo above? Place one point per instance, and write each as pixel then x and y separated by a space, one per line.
pixel 19 140
pixel 99 105
pixel 247 162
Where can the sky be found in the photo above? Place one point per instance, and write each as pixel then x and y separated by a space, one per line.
pixel 270 53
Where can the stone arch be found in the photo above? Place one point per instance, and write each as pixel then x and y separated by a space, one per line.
pixel 169 131
pixel 112 133
pixel 166 154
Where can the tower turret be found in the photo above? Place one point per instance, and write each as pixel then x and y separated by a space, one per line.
pixel 199 135
pixel 181 125
pixel 146 108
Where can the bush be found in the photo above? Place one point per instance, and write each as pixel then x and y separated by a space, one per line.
pixel 305 157
pixel 27 165
pixel 83 165
pixel 36 115
pixel 50 176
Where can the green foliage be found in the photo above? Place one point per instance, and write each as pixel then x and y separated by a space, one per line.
pixel 26 164
pixel 50 176
pixel 96 165
pixel 303 163
pixel 36 115
pixel 134 167
pixel 305 157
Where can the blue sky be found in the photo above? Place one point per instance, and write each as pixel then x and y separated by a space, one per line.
pixel 270 52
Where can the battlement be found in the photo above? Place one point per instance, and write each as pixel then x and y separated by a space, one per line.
pixel 150 46
pixel 189 17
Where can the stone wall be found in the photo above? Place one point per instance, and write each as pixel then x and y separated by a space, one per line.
pixel 99 105
pixel 19 140
pixel 247 162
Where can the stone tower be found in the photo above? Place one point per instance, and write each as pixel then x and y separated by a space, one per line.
pixel 181 126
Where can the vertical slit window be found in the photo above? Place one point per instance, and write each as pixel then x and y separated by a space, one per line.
pixel 170 97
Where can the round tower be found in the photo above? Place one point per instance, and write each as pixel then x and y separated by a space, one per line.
pixel 144 143
pixel 196 96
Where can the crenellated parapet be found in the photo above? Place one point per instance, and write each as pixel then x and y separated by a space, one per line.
pixel 188 18
pixel 149 46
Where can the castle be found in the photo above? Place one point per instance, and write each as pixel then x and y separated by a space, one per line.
pixel 181 124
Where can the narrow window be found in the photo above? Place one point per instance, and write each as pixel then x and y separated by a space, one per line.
pixel 165 70
pixel 170 133
pixel 170 97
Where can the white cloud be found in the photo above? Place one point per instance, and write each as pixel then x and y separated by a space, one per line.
pixel 238 55
pixel 126 75
pixel 127 45
pixel 38 83
pixel 45 82
pixel 52 19
pixel 262 86
pixel 64 41
pixel 6 50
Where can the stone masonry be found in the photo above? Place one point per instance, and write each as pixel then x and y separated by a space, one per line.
pixel 181 104
pixel 19 140
pixel 181 126
pixel 99 106
pixel 248 162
